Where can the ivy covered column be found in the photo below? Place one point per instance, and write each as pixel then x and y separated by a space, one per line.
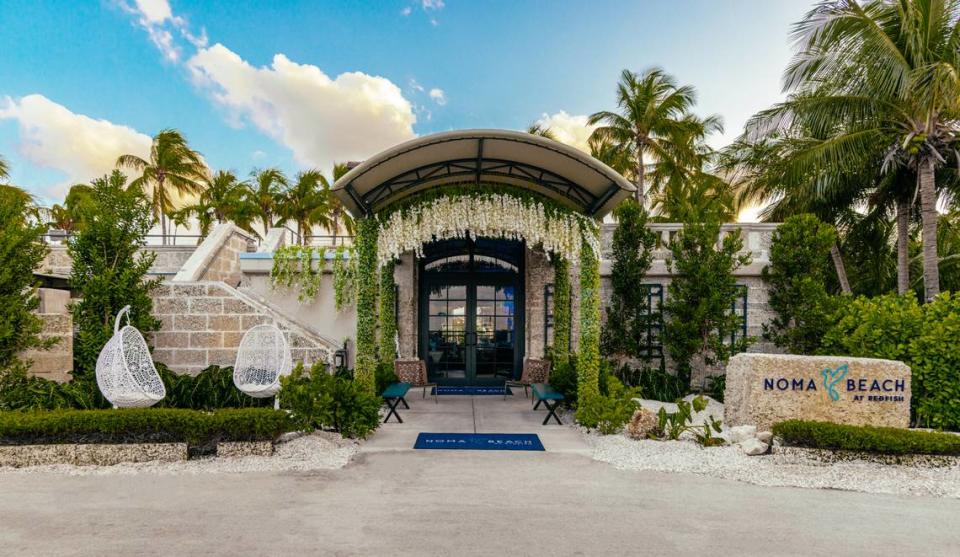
pixel 388 316
pixel 366 247
pixel 561 310
pixel 588 352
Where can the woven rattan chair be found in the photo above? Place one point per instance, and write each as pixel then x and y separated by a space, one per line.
pixel 262 359
pixel 125 372
pixel 534 371
pixel 414 372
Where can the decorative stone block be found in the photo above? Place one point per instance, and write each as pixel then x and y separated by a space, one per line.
pixel 248 321
pixel 190 357
pixel 763 389
pixel 233 305
pixel 206 306
pixel 190 322
pixel 162 339
pixel 188 290
pixel 250 448
pixel 170 306
pixel 205 340
pixel 224 322
pixel 92 454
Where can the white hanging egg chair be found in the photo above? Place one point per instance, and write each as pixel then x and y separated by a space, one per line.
pixel 125 372
pixel 262 359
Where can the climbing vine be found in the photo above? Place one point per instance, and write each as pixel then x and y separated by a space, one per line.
pixel 561 311
pixel 490 212
pixel 366 284
pixel 388 316
pixel 588 353
pixel 294 266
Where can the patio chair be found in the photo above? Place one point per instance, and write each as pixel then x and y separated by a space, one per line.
pixel 262 359
pixel 534 371
pixel 414 372
pixel 125 372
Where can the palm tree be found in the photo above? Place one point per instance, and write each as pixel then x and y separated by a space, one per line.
pixel 541 130
pixel 172 164
pixel 651 123
pixel 265 194
pixel 880 75
pixel 338 214
pixel 4 169
pixel 72 215
pixel 306 202
pixel 223 199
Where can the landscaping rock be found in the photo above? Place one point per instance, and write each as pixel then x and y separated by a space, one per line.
pixel 765 436
pixel 714 408
pixel 641 424
pixel 763 389
pixel 754 447
pixel 91 454
pixel 740 433
pixel 250 448
pixel 654 406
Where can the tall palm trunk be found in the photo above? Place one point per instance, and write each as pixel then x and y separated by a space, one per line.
pixel 640 194
pixel 929 216
pixel 841 268
pixel 903 244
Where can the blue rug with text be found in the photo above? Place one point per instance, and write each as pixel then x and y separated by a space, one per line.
pixel 479 441
pixel 452 390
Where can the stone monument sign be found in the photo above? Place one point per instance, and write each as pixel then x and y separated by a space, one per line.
pixel 763 389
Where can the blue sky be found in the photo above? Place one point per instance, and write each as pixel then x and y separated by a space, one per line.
pixel 296 84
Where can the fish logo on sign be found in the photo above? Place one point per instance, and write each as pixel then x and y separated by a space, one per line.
pixel 833 376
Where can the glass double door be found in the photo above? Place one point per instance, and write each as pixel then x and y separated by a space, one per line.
pixel 470 330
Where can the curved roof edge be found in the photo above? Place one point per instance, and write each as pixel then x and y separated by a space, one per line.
pixel 529 161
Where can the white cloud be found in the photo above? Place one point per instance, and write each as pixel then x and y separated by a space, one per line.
pixel 154 11
pixel 438 96
pixel 320 119
pixel 406 11
pixel 157 19
pixel 567 128
pixel 432 4
pixel 82 148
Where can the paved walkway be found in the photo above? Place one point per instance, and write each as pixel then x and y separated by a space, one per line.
pixel 473 414
pixel 459 503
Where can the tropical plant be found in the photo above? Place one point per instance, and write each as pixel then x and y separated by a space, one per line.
pixel 306 202
pixel 109 269
pixel 318 399
pixel 69 217
pixel 265 194
pixel 21 251
pixel 797 290
pixel 340 220
pixel 878 79
pixel 172 164
pixel 541 130
pixel 699 324
pixel 652 125
pixel 626 329
pixel 222 199
pixel 671 425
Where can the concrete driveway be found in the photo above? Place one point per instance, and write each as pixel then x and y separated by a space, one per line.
pixel 459 503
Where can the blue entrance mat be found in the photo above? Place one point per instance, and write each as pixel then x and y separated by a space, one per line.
pixel 452 390
pixel 479 441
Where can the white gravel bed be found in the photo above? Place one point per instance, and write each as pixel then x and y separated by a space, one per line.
pixel 317 451
pixel 780 470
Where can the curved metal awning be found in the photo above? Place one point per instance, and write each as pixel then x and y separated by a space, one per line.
pixel 520 159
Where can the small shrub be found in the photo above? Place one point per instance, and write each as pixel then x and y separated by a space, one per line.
pixel 672 425
pixel 142 425
pixel 318 400
pixel 210 389
pixel 661 385
pixel 717 385
pixel 609 413
pixel 869 439
pixel 563 377
pixel 19 391
pixel 385 376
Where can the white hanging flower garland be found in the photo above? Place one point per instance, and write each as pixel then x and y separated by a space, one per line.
pixel 492 215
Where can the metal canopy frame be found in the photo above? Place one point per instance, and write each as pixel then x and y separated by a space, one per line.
pixel 475 169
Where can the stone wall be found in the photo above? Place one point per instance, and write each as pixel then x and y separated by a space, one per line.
pixel 218 257
pixel 539 274
pixel 55 363
pixel 169 260
pixel 202 324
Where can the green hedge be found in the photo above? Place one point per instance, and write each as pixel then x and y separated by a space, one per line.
pixel 142 425
pixel 883 440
